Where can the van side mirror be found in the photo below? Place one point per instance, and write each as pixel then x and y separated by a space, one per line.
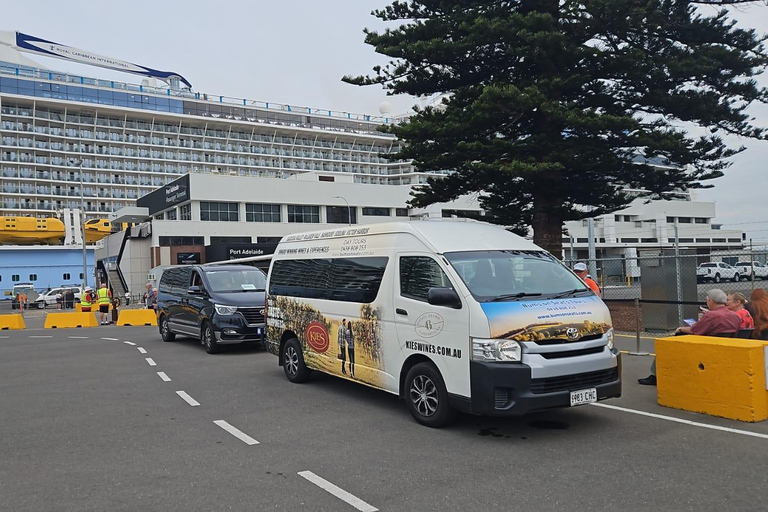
pixel 194 290
pixel 444 297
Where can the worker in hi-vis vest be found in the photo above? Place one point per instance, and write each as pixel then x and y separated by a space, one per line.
pixel 85 299
pixel 105 297
pixel 580 269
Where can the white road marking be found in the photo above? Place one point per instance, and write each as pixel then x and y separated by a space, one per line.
pixel 78 337
pixel 164 376
pixel 150 361
pixel 337 491
pixel 684 422
pixel 236 432
pixel 41 336
pixel 191 401
pixel 130 343
pixel 141 349
pixel 110 339
pixel 4 337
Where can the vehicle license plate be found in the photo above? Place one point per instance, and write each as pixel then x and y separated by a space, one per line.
pixel 583 396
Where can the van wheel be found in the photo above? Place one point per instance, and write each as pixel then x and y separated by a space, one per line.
pixel 165 329
pixel 427 397
pixel 293 362
pixel 208 340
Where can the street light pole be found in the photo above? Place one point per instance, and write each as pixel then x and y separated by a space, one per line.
pixel 349 211
pixel 82 224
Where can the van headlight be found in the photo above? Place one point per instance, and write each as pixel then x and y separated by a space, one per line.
pixel 496 350
pixel 225 310
pixel 609 335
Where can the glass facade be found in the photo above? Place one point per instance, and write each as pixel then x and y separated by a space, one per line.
pixel 303 213
pixel 218 212
pixel 262 212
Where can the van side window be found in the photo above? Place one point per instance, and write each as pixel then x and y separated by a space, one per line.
pixel 418 274
pixel 340 279
pixel 300 278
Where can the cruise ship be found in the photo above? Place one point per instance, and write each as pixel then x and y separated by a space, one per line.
pixel 65 136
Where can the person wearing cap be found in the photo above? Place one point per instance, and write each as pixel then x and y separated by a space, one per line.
pixel 580 269
pixel 85 299
pixel 105 297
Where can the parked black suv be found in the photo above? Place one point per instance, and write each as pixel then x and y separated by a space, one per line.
pixel 219 304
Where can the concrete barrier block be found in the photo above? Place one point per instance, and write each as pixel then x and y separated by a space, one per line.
pixel 723 377
pixel 12 322
pixel 137 317
pixel 66 320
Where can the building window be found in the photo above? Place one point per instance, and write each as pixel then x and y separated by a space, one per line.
pixel 376 212
pixel 686 240
pixel 582 240
pixel 649 240
pixel 326 178
pixel 303 214
pixel 185 212
pixel 701 220
pixel 66 277
pixel 33 277
pixel 262 213
pixel 718 240
pixel 15 278
pixel 629 240
pixel 167 241
pixel 81 276
pixel 341 214
pixel 401 212
pixel 170 214
pixel 702 240
pixel 684 220
pixel 670 220
pixel 218 212
pixel 160 216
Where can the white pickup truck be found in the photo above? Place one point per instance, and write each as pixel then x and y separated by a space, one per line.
pixel 747 269
pixel 716 271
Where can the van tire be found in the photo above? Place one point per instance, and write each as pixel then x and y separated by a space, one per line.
pixel 165 330
pixel 293 362
pixel 208 339
pixel 427 397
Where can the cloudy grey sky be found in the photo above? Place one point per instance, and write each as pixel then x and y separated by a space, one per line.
pixel 295 52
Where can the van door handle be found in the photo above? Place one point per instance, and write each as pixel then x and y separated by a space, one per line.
pixel 401 311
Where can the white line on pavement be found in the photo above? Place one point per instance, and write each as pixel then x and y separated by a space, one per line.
pixel 337 491
pixel 236 432
pixel 130 343
pixel 150 361
pixel 191 401
pixel 110 339
pixel 164 376
pixel 78 337
pixel 4 337
pixel 685 422
pixel 41 336
pixel 141 349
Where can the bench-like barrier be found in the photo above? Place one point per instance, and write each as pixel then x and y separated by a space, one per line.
pixel 137 317
pixel 12 322
pixel 723 377
pixel 65 320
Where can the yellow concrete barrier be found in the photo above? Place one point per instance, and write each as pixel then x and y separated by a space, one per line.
pixel 64 320
pixel 718 376
pixel 137 317
pixel 12 322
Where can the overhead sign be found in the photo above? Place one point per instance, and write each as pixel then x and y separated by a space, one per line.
pixel 165 197
pixel 32 44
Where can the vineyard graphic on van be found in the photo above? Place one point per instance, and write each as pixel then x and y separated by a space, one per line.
pixel 349 346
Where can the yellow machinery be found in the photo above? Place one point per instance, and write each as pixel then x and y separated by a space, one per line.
pixel 30 230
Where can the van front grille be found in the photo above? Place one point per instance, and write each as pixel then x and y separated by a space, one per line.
pixel 252 315
pixel 572 353
pixel 574 382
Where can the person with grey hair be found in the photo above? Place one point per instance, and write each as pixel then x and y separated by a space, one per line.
pixel 718 320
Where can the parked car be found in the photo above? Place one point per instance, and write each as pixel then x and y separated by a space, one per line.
pixel 218 304
pixel 747 269
pixel 716 271
pixel 54 296
pixel 27 289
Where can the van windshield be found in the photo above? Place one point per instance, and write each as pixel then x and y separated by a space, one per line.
pixel 240 280
pixel 515 275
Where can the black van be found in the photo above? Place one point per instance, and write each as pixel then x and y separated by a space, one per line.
pixel 219 304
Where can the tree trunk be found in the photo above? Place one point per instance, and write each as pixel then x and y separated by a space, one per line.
pixel 547 224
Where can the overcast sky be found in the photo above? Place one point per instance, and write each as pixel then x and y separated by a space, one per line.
pixel 295 52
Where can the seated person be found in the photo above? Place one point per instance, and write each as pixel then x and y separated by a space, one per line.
pixel 759 310
pixel 718 320
pixel 736 302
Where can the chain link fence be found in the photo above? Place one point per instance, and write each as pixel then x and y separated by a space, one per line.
pixel 655 291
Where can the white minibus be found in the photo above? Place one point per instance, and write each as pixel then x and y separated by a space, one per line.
pixel 450 315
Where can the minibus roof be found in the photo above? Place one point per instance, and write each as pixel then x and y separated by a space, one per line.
pixel 442 235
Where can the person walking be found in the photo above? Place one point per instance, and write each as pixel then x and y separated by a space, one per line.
pixel 149 296
pixel 351 349
pixel 580 269
pixel 105 297
pixel 342 340
pixel 86 301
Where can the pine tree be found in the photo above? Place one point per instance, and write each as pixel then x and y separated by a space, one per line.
pixel 552 109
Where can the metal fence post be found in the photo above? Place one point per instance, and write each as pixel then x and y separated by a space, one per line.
pixel 637 332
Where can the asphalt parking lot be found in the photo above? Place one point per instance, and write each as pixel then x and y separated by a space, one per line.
pixel 105 419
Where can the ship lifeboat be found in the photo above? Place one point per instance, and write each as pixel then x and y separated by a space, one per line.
pixel 96 229
pixel 30 230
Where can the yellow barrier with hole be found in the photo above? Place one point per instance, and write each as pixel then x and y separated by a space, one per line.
pixel 723 377
pixel 137 317
pixel 67 320
pixel 12 322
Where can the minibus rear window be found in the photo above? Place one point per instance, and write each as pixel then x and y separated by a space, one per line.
pixel 339 279
pixel 514 275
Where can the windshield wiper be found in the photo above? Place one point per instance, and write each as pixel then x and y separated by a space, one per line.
pixel 569 292
pixel 243 290
pixel 514 296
